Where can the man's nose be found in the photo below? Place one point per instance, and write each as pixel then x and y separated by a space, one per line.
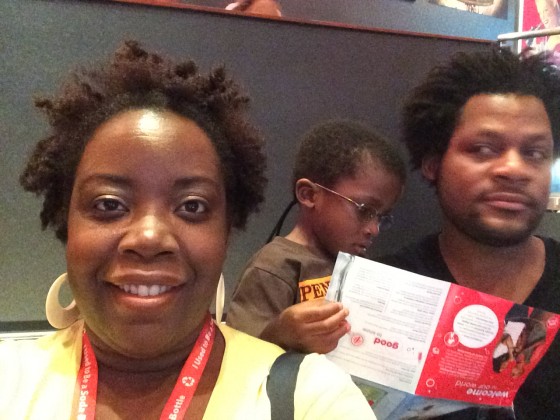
pixel 512 165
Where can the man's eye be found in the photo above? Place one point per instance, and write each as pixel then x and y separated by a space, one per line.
pixel 537 154
pixel 109 205
pixel 484 150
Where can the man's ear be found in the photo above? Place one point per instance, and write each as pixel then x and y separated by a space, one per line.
pixel 430 167
pixel 305 192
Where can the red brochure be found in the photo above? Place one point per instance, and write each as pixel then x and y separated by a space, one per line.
pixel 412 334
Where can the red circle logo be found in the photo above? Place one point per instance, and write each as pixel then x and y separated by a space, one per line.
pixel 357 340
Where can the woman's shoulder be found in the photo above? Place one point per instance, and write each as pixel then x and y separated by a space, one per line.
pixel 326 391
pixel 323 390
pixel 59 351
pixel 255 348
pixel 39 374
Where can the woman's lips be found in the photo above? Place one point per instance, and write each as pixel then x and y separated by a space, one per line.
pixel 145 277
pixel 143 290
pixel 144 283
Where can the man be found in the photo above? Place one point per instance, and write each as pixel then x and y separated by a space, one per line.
pixel 483 130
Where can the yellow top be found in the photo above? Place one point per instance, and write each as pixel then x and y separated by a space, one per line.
pixel 37 379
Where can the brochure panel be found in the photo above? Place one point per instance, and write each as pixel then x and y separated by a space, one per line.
pixel 431 338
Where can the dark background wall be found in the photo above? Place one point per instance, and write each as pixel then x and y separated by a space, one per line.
pixel 405 15
pixel 297 75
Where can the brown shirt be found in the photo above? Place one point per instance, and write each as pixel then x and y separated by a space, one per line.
pixel 279 275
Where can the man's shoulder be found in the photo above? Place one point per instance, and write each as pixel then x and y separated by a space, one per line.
pixel 551 272
pixel 552 246
pixel 546 294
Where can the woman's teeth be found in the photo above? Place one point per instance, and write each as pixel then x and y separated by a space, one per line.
pixel 144 290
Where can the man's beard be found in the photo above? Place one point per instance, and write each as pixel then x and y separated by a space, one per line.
pixel 473 227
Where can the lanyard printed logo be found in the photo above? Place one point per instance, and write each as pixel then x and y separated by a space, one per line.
pixel 184 389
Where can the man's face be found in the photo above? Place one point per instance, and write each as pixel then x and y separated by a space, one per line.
pixel 493 181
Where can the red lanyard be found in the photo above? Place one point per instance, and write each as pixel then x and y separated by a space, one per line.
pixel 184 389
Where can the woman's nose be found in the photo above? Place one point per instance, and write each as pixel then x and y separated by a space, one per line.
pixel 149 236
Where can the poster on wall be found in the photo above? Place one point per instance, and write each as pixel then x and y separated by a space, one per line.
pixel 268 8
pixel 495 8
pixel 541 14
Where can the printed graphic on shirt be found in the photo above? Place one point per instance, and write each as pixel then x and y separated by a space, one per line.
pixel 312 289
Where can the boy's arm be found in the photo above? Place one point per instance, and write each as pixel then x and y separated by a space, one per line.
pixel 259 297
pixel 311 327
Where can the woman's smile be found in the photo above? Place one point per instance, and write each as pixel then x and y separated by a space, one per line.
pixel 144 290
pixel 148 230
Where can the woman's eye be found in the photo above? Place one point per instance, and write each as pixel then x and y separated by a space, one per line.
pixel 109 205
pixel 195 206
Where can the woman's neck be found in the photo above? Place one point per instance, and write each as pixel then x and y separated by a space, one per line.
pixel 131 388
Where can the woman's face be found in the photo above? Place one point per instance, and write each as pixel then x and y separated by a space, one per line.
pixel 548 11
pixel 147 232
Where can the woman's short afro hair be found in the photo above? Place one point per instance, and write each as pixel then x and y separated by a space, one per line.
pixel 134 78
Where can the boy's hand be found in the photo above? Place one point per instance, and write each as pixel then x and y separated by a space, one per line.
pixel 314 326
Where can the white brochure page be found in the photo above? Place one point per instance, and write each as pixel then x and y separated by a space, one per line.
pixel 393 316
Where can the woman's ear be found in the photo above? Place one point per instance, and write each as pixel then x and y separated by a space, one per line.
pixel 305 192
pixel 430 167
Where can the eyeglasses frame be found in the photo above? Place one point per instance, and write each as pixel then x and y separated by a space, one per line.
pixel 365 213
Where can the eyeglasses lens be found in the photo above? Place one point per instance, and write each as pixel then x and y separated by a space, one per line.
pixel 384 221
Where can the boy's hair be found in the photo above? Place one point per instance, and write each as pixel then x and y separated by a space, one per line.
pixel 432 111
pixel 136 79
pixel 334 149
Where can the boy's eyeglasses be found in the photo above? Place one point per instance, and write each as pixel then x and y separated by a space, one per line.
pixel 366 213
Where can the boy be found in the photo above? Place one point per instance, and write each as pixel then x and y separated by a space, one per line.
pixel 346 181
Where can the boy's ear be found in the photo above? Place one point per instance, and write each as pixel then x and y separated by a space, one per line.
pixel 305 192
pixel 430 167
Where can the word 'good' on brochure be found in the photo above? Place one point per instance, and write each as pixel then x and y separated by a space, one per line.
pixel 430 338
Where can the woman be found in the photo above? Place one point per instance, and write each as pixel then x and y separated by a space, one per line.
pixel 549 13
pixel 147 168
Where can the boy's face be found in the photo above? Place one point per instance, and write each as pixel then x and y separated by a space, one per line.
pixel 493 181
pixel 337 222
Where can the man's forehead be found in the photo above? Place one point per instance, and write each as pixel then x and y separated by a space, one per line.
pixel 489 112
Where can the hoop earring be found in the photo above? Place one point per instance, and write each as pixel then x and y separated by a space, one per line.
pixel 220 297
pixel 58 316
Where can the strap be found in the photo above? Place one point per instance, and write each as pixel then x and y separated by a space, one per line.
pixel 281 385
pixel 276 230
